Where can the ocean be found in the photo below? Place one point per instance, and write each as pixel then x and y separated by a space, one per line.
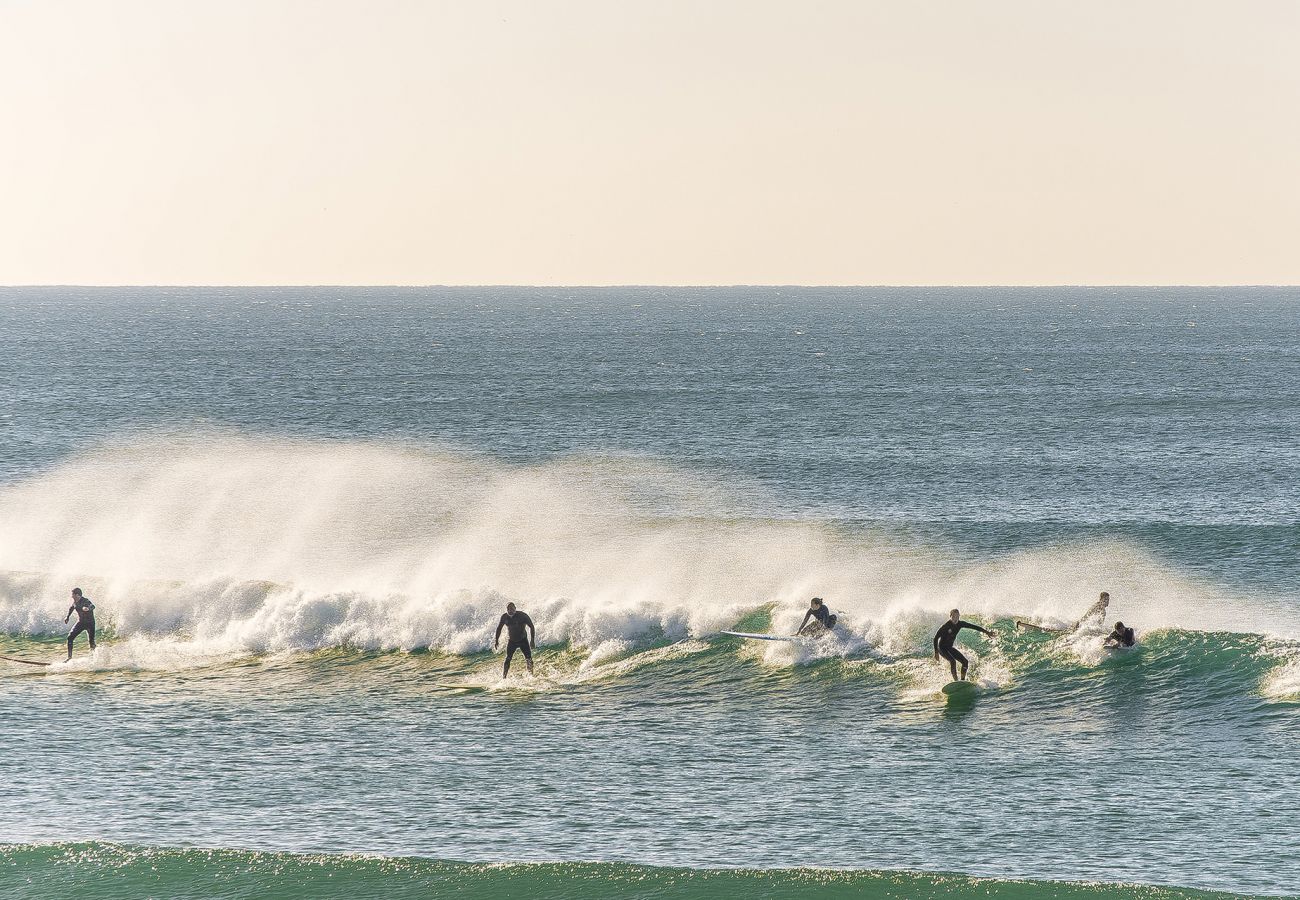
pixel 301 511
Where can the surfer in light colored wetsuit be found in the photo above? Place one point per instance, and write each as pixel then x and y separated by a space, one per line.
pixel 946 635
pixel 85 611
pixel 818 610
pixel 1096 611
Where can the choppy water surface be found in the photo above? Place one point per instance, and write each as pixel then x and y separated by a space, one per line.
pixel 300 512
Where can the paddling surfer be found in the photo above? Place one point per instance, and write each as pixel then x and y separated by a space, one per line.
pixel 946 635
pixel 85 611
pixel 825 619
pixel 1120 637
pixel 515 621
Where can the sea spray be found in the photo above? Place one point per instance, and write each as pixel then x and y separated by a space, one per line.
pixel 258 544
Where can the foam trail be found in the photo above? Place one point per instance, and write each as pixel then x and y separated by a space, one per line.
pixel 245 544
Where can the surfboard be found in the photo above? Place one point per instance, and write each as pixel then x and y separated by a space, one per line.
pixel 1032 627
pixel 453 686
pixel 26 662
pixel 761 637
pixel 960 689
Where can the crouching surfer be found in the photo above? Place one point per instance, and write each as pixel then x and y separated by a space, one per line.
pixel 1120 637
pixel 824 619
pixel 947 635
pixel 516 621
pixel 85 611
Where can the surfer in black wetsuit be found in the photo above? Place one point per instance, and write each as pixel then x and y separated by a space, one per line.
pixel 85 611
pixel 1120 637
pixel 516 621
pixel 944 638
pixel 821 612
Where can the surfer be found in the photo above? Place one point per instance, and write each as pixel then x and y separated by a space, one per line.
pixel 1096 611
pixel 818 610
pixel 515 621
pixel 1120 637
pixel 85 611
pixel 946 635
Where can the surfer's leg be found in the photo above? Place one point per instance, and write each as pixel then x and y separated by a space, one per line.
pixel 510 652
pixel 528 656
pixel 952 663
pixel 72 636
pixel 958 658
pixel 90 633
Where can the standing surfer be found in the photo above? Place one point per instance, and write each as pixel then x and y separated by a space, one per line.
pixel 85 611
pixel 516 621
pixel 818 610
pixel 946 635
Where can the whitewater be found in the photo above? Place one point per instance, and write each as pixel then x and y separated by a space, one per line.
pixel 300 513
pixel 242 544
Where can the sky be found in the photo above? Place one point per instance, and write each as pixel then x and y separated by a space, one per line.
pixel 578 142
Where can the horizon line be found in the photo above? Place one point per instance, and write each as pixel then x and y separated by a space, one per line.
pixel 644 285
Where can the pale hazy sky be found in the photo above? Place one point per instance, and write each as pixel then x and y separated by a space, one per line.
pixel 659 142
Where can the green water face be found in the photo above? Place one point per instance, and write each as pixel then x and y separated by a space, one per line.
pixel 109 872
pixel 1169 765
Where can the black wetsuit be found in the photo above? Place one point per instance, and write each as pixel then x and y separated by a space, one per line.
pixel 85 611
pixel 515 626
pixel 1125 638
pixel 943 644
pixel 822 614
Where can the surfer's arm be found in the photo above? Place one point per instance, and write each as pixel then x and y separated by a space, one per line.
pixel 804 623
pixel 532 631
pixel 496 641
pixel 69 615
pixel 965 624
pixel 936 642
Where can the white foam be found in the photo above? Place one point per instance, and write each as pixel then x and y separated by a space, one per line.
pixel 237 544
pixel 1283 681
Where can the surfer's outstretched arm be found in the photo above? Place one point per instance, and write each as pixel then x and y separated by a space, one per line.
pixel 804 623
pixel 965 624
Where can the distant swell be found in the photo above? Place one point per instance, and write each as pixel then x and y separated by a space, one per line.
pixel 108 872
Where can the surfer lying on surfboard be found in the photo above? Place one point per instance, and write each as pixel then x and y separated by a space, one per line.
pixel 825 619
pixel 1120 637
pixel 946 635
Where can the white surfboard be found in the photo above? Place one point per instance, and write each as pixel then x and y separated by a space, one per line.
pixel 762 637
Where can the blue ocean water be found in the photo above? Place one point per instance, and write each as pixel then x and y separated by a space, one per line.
pixel 300 511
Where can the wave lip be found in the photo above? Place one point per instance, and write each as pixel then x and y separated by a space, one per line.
pixel 249 544
pixel 102 871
